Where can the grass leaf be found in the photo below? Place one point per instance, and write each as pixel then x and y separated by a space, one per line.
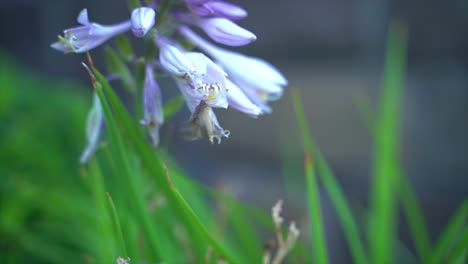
pixel 383 198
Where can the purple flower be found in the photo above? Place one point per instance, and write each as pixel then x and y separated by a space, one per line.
pixel 221 30
pixel 88 36
pixel 198 78
pixel 218 9
pixel 172 58
pixel 207 84
pixel 152 105
pixel 238 100
pixel 142 21
pixel 203 122
pixel 258 79
pixel 94 127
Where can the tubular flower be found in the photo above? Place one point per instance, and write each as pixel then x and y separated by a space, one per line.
pixel 172 58
pixel 221 30
pixel 259 80
pixel 94 127
pixel 199 78
pixel 238 100
pixel 217 9
pixel 207 84
pixel 142 21
pixel 87 36
pixel 152 105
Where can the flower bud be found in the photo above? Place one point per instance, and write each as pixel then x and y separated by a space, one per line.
pixel 142 21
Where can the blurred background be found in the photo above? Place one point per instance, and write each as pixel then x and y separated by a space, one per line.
pixel 331 51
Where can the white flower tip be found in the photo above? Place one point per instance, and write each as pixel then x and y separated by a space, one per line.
pixel 83 17
pixel 60 47
pixel 276 212
pixel 293 230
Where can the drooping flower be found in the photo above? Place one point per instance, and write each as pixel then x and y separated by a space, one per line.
pixel 208 83
pixel 87 36
pixel 203 123
pixel 217 9
pixel 94 127
pixel 143 19
pixel 258 79
pixel 152 105
pixel 198 77
pixel 221 30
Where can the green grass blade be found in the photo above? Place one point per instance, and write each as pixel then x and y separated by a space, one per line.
pixel 135 186
pixel 415 218
pixel 459 253
pixel 104 239
pixel 383 207
pixel 116 66
pixel 409 201
pixel 315 212
pixel 450 234
pixel 331 186
pixel 118 228
pixel 313 198
pixel 124 47
pixel 154 165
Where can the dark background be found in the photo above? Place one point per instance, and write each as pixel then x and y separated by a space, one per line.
pixel 332 51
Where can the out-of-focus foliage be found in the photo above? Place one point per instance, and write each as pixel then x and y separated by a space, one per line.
pixel 40 190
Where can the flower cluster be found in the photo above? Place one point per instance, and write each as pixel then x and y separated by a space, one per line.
pixel 212 77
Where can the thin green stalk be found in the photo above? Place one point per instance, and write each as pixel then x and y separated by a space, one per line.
pixel 415 219
pixel 123 161
pixel 117 225
pixel 459 253
pixel 411 207
pixel 450 234
pixel 332 187
pixel 104 241
pixel 315 212
pixel 383 199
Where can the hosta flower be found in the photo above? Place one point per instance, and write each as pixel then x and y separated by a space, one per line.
pixel 152 105
pixel 198 77
pixel 217 9
pixel 172 59
pixel 221 30
pixel 87 36
pixel 94 127
pixel 207 83
pixel 258 79
pixel 142 21
pixel 203 123
pixel 238 100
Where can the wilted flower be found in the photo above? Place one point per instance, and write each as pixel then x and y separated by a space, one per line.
pixel 152 105
pixel 88 36
pixel 94 127
pixel 221 30
pixel 259 80
pixel 143 19
pixel 217 9
pixel 203 122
